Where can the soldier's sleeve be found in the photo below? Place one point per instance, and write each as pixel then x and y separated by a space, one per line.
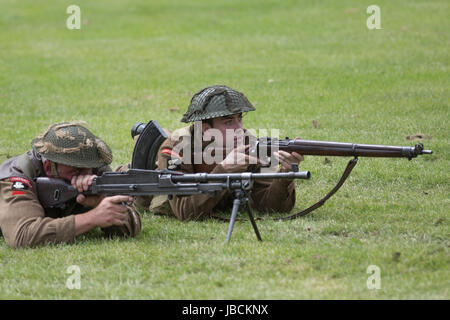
pixel 276 195
pixel 22 218
pixel 192 207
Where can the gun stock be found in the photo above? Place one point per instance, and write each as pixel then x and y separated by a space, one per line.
pixel 53 193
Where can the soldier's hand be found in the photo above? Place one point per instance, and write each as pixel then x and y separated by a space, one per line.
pixel 82 183
pixel 238 161
pixel 110 211
pixel 286 159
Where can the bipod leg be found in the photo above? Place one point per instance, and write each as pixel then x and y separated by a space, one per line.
pixel 234 212
pixel 252 220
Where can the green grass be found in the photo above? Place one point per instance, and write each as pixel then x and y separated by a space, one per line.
pixel 134 60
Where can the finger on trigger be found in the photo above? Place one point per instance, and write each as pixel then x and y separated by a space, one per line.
pixel 284 153
pixel 120 199
pixel 278 155
pixel 297 155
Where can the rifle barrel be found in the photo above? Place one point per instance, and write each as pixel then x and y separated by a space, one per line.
pixel 328 148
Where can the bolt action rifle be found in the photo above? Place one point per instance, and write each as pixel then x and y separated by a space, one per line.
pixel 151 136
pixel 268 145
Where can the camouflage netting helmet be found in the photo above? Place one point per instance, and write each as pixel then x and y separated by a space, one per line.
pixel 71 144
pixel 216 101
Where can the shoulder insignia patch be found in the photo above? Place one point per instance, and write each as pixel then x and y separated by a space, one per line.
pixel 20 185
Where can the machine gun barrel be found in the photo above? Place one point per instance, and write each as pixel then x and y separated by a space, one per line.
pixel 210 177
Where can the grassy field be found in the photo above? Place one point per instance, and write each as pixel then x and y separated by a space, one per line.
pixel 296 61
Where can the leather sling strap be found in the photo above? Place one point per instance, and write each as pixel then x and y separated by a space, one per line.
pixel 350 165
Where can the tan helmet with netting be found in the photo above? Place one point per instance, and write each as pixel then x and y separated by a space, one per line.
pixel 72 144
pixel 216 101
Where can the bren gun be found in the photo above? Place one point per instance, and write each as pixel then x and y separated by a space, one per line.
pixel 54 193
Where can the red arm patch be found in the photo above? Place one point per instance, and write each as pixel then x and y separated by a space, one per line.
pixel 171 153
pixel 22 180
pixel 20 185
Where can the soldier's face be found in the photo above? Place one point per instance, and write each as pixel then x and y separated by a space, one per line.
pixel 233 123
pixel 66 172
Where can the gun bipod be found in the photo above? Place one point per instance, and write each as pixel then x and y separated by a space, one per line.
pixel 241 198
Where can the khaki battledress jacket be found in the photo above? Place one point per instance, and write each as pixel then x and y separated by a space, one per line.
pixel 25 223
pixel 266 196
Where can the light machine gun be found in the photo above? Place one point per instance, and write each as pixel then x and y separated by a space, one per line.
pixel 140 182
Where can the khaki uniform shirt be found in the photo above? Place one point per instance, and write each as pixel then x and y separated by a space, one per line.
pixel 266 196
pixel 25 223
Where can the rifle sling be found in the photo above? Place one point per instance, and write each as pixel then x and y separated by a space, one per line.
pixel 350 165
